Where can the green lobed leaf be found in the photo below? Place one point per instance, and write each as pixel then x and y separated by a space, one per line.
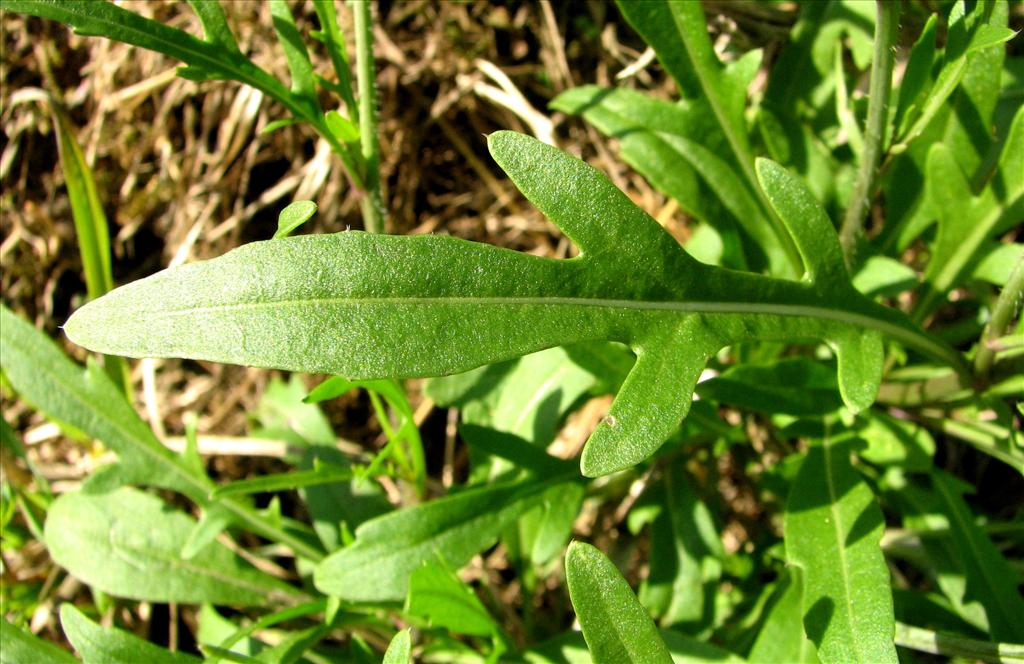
pixel 676 147
pixel 20 647
pixel 400 649
pixel 368 306
pixel 127 543
pixel 832 530
pixel 389 548
pixel 113 646
pixel 616 626
pixel 215 24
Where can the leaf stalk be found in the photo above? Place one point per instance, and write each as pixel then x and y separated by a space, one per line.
pixel 372 205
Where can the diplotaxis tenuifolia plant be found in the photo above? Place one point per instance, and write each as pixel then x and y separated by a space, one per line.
pixel 782 386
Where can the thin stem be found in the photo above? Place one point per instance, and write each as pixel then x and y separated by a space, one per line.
pixel 1002 316
pixel 372 205
pixel 951 645
pixel 874 131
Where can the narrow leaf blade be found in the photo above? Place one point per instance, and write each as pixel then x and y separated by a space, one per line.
pixel 615 625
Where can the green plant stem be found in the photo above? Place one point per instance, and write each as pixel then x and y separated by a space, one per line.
pixel 874 131
pixel 372 205
pixel 951 645
pixel 1002 315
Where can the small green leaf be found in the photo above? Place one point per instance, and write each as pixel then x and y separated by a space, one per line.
pixel 113 646
pixel 342 128
pixel 321 474
pixel 293 216
pixel 215 24
pixel 299 64
pixel 127 543
pixel 832 529
pixel 615 625
pixel 400 649
pixel 439 596
pixel 20 647
pixel 453 529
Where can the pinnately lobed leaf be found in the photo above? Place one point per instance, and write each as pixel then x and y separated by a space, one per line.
pixel 366 306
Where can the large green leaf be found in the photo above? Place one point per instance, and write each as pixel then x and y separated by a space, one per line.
pixel 832 529
pixel 127 543
pixel 88 401
pixel 452 529
pixel 374 306
pixel 113 646
pixel 615 625
pixel 20 647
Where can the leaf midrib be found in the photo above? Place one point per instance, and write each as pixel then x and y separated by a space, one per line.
pixel 911 338
pixel 841 548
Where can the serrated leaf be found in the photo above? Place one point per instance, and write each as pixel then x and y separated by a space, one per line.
pixel 400 649
pixel 113 646
pixel 367 306
pixel 832 530
pixel 293 216
pixel 615 625
pixel 453 529
pixel 127 543
pixel 439 596
pixel 20 647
